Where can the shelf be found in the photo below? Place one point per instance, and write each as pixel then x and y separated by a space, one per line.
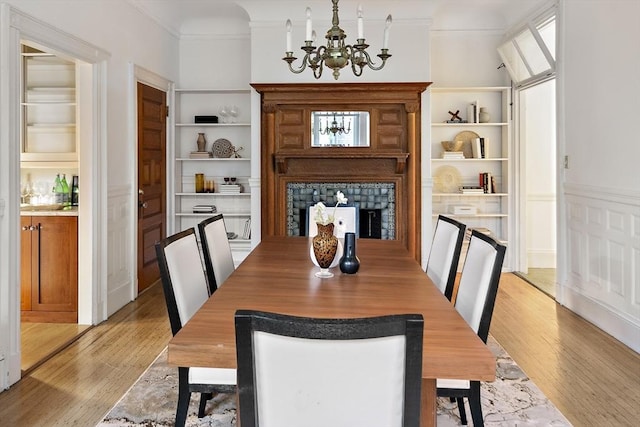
pixel 213 125
pixel 225 214
pixel 214 159
pixel 496 159
pixel 213 91
pixel 468 89
pixel 440 124
pixel 470 195
pixel 478 215
pixel 214 194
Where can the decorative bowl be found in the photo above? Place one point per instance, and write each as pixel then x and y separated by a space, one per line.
pixel 452 145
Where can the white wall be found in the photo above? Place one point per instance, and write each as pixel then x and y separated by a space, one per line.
pixel 115 27
pixel 599 94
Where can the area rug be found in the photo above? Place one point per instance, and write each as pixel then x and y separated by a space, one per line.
pixel 511 400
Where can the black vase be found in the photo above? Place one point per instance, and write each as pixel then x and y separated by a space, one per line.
pixel 349 263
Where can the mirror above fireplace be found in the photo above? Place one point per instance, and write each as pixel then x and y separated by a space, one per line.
pixel 339 128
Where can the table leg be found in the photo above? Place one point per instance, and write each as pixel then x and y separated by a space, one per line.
pixel 428 406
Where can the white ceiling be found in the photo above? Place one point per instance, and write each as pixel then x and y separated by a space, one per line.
pixel 182 17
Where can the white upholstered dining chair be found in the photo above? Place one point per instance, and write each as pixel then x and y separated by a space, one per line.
pixel 216 251
pixel 185 290
pixel 475 301
pixel 446 246
pixel 300 371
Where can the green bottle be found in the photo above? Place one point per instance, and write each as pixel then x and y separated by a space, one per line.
pixel 57 190
pixel 66 198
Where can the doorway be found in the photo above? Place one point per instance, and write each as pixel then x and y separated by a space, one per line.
pixel 537 136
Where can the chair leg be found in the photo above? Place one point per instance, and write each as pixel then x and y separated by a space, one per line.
pixel 474 404
pixel 463 413
pixel 184 395
pixel 204 397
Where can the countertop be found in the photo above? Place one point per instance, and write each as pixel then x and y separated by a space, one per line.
pixel 43 211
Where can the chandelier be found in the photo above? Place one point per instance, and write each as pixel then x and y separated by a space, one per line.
pixel 336 54
pixel 335 128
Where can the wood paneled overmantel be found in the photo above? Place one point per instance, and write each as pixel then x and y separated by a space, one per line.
pixel 392 156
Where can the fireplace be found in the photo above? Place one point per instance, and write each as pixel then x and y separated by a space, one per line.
pixel 382 179
pixel 375 202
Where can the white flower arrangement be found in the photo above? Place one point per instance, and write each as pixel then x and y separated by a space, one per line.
pixel 322 216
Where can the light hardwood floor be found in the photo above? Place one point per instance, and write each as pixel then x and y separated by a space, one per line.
pixel 40 341
pixel 593 379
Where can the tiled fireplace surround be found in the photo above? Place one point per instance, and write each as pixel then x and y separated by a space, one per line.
pixel 377 198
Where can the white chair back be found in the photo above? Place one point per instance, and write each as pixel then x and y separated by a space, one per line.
pixel 345 221
pixel 479 281
pixel 216 249
pixel 186 274
pixel 445 253
pixel 329 381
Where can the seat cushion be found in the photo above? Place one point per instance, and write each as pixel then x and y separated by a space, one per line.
pixel 212 376
pixel 456 384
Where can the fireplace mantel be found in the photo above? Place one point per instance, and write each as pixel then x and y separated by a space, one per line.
pixel 282 160
pixel 392 156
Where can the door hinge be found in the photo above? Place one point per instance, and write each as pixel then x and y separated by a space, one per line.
pixel 167 111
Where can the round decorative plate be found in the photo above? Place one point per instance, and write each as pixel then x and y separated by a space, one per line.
pixel 467 136
pixel 222 148
pixel 447 179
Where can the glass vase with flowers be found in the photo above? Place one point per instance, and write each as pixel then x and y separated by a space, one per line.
pixel 325 243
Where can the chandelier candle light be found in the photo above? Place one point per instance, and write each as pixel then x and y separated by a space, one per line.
pixel 336 54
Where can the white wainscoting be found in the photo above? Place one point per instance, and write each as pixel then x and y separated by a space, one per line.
pixel 120 257
pixel 603 271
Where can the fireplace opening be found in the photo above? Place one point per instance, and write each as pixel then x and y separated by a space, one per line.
pixel 375 202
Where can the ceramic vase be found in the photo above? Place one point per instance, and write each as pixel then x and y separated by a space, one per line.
pixel 202 142
pixel 483 115
pixel 325 245
pixel 349 263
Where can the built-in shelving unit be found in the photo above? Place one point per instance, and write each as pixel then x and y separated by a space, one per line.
pixel 236 207
pixel 48 110
pixel 487 210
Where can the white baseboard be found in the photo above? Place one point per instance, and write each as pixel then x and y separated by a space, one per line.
pixel 621 329
pixel 118 298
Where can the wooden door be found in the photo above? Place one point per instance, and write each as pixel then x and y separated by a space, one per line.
pixel 54 267
pixel 152 119
pixel 25 263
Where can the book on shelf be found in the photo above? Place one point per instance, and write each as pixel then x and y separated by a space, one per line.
pixel 246 234
pixel 473 111
pixel 453 155
pixel 480 147
pixel 229 188
pixel 471 189
pixel 487 181
pixel 200 155
pixel 204 209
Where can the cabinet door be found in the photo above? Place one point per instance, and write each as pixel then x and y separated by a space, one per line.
pixel 55 276
pixel 25 263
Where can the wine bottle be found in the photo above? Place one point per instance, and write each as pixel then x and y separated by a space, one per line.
pixel 66 199
pixel 57 190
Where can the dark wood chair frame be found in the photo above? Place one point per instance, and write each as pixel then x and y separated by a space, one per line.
pixel 184 387
pixel 473 392
pixel 206 253
pixel 248 321
pixel 451 279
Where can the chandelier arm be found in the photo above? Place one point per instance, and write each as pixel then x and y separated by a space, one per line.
pixel 382 55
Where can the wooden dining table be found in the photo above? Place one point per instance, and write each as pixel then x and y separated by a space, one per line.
pixel 279 276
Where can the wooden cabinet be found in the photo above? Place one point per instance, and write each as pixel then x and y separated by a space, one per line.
pixel 49 268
